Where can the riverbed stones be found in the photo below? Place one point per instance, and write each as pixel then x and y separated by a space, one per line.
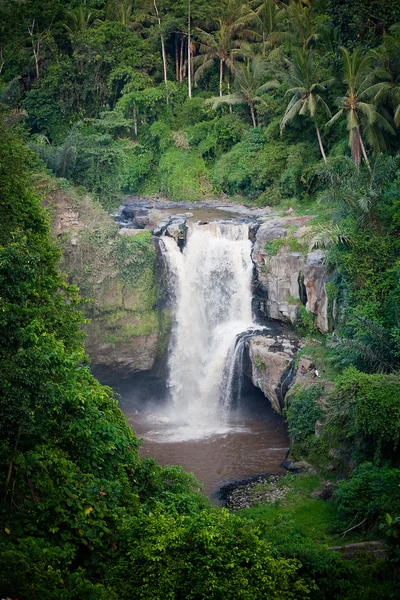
pixel 258 490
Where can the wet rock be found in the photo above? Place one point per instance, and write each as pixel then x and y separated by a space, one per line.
pixel 177 230
pixel 314 282
pixel 290 278
pixel 271 360
pixel 299 466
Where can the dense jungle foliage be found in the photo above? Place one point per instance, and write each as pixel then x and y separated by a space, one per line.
pixel 281 103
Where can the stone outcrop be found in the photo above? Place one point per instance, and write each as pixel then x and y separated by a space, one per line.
pixel 125 333
pixel 287 274
pixel 272 359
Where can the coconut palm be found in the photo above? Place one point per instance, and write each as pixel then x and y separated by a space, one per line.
pixel 225 44
pixel 79 20
pixel 357 105
pixel 358 190
pixel 306 91
pixel 270 20
pixel 301 24
pixel 388 96
pixel 249 87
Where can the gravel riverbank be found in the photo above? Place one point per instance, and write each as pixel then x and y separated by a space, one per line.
pixel 255 490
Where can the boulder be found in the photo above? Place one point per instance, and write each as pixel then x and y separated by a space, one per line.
pixel 271 363
pixel 297 466
pixel 177 230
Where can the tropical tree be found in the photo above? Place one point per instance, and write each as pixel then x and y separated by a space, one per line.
pixel 300 20
pixel 79 20
pixel 388 96
pixel 271 17
pixel 357 105
pixel 249 87
pixel 306 92
pixel 225 44
pixel 359 190
pixel 119 10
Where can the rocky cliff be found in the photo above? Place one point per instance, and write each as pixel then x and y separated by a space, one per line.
pixel 272 364
pixel 287 274
pixel 117 275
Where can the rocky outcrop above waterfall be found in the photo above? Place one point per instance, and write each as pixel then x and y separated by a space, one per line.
pixel 272 361
pixel 287 274
pixel 116 269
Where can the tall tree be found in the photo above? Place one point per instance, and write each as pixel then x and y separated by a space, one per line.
pixel 248 86
pixel 307 90
pixel 388 96
pixel 271 17
pixel 225 44
pixel 357 105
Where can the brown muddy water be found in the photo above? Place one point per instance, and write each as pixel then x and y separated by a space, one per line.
pixel 253 441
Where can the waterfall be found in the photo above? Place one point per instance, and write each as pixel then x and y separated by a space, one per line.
pixel 211 285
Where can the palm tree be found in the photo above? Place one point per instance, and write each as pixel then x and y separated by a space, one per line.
pixel 301 23
pixel 248 87
pixel 306 91
pixel 359 190
pixel 357 105
pixel 271 18
pixel 119 10
pixel 225 44
pixel 389 55
pixel 79 20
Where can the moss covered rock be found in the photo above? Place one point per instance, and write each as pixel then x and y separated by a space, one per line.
pixel 117 276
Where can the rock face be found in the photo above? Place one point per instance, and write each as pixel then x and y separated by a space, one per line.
pixel 287 274
pixel 126 332
pixel 272 359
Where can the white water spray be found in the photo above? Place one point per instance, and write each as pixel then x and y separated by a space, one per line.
pixel 211 282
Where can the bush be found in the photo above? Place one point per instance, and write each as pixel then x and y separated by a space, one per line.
pixel 213 138
pixel 302 413
pixel 136 166
pixel 369 409
pixel 367 496
pixel 183 175
pixel 251 166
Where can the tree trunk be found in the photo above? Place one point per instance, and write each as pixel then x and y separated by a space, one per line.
pixel 189 57
pixel 135 125
pixel 181 60
pixel 10 466
pixel 320 143
pixel 164 56
pixel 176 59
pixel 221 75
pixel 35 48
pixel 363 150
pixel 253 116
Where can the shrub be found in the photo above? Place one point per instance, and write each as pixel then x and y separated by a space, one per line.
pixel 366 497
pixel 183 175
pixel 251 166
pixel 368 406
pixel 302 413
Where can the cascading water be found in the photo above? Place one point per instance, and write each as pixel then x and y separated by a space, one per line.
pixel 211 282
